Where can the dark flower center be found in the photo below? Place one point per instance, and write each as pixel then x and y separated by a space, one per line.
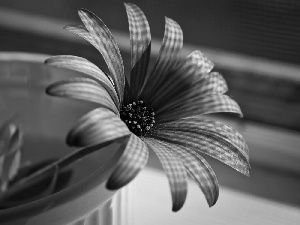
pixel 138 118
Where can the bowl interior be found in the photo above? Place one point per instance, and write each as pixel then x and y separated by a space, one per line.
pixel 45 120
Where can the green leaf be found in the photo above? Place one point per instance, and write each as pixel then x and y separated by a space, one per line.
pixel 83 89
pixel 133 160
pixel 140 43
pixel 84 66
pixel 107 46
pixel 174 170
pixel 97 126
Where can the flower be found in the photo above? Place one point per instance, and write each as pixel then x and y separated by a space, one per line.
pixel 161 110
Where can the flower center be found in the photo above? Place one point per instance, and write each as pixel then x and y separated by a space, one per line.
pixel 138 118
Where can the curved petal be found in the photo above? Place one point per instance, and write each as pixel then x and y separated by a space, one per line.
pixel 209 138
pixel 81 31
pixel 174 169
pixel 202 62
pixel 190 71
pixel 84 66
pixel 205 84
pixel 167 58
pixel 214 84
pixel 199 170
pixel 83 89
pixel 97 126
pixel 132 161
pixel 107 46
pixel 219 129
pixel 194 104
pixel 140 42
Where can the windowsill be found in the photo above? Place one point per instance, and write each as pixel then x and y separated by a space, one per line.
pixel 152 205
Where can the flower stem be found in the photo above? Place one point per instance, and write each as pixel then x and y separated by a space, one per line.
pixel 50 169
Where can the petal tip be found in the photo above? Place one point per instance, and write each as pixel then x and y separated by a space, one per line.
pixel 110 185
pixel 127 4
pixel 47 61
pixel 71 140
pixel 83 12
pixel 48 90
pixel 248 171
pixel 176 207
pixel 214 200
pixel 66 27
pixel 211 204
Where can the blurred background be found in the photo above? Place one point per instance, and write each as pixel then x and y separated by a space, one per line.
pixel 254 44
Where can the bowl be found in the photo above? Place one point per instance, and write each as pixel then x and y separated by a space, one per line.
pixel 45 121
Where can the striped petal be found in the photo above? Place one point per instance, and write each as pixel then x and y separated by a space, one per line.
pixel 218 129
pixel 194 104
pixel 107 46
pixel 212 138
pixel 205 84
pixel 199 170
pixel 214 84
pixel 140 42
pixel 192 70
pixel 96 127
pixel 132 161
pixel 174 169
pixel 81 31
pixel 84 66
pixel 83 89
pixel 224 132
pixel 202 62
pixel 167 58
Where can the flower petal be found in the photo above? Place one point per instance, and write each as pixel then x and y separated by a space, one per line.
pixel 212 138
pixel 167 58
pixel 132 161
pixel 107 46
pixel 199 170
pixel 83 89
pixel 140 42
pixel 210 127
pixel 202 62
pixel 214 84
pixel 193 104
pixel 81 31
pixel 174 169
pixel 84 66
pixel 97 126
pixel 192 70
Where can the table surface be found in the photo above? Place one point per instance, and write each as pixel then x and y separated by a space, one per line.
pixel 152 205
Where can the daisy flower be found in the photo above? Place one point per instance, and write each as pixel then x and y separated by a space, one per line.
pixel 161 110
